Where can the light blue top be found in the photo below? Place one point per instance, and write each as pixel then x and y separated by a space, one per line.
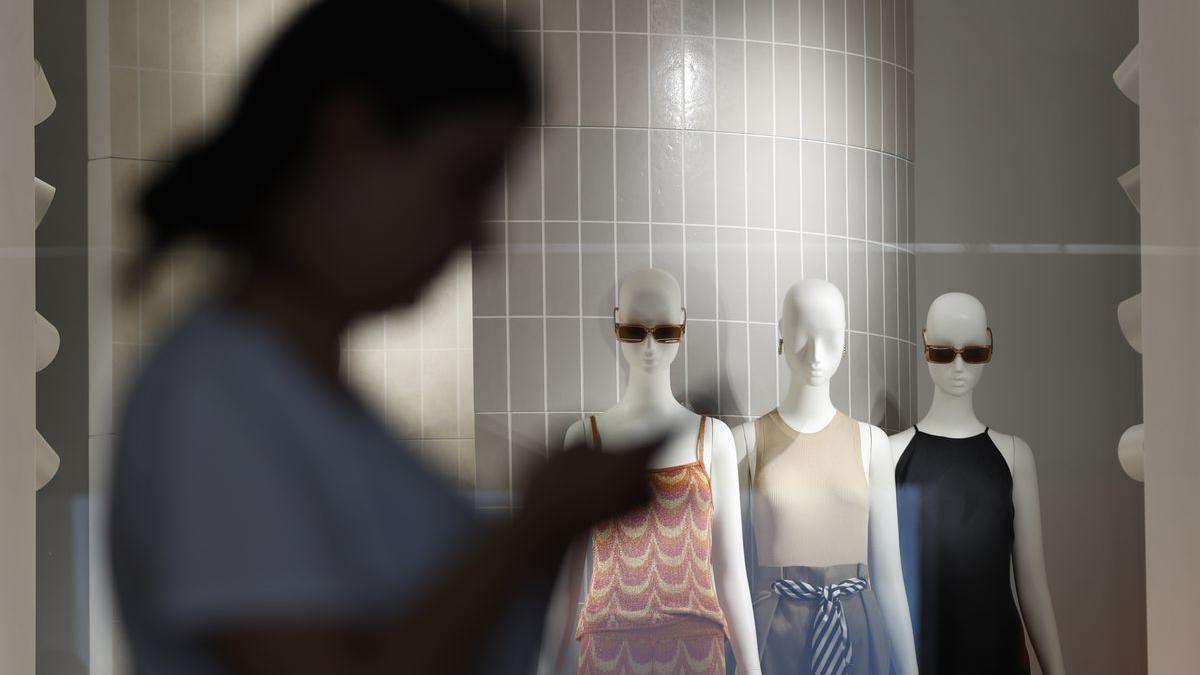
pixel 247 490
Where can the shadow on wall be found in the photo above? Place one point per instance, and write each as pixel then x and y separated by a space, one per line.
pixel 60 663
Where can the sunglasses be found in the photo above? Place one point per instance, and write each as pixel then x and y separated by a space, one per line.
pixel 973 354
pixel 634 332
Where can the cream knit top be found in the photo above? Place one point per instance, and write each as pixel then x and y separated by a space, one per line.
pixel 811 498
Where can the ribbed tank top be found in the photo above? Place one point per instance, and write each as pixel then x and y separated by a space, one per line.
pixel 653 565
pixel 811 498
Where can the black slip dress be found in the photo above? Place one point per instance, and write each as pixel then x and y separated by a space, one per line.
pixel 956 532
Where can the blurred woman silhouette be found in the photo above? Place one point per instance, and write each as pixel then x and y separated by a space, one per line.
pixel 262 520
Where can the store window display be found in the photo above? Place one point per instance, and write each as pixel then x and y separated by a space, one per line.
pixel 969 510
pixel 829 594
pixel 668 581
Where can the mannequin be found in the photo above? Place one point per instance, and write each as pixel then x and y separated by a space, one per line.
pixel 958 320
pixel 813 330
pixel 652 297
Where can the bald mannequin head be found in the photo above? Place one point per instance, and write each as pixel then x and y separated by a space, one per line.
pixel 956 320
pixel 813 328
pixel 649 297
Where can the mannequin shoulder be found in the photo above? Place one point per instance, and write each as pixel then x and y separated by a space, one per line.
pixel 1016 452
pixel 723 436
pixel 744 433
pixel 576 434
pixel 898 443
pixel 719 428
pixel 871 436
pixel 878 435
pixel 900 440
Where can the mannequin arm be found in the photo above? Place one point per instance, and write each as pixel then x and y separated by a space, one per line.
pixel 1029 563
pixel 884 552
pixel 744 437
pixel 562 613
pixel 563 610
pixel 729 561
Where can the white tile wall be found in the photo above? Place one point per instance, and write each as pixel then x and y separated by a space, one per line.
pixel 173 68
pixel 740 146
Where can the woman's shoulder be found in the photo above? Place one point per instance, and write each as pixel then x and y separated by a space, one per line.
pixel 210 366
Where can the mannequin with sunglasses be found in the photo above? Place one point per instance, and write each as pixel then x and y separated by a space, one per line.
pixel 969 511
pixel 668 582
pixel 823 513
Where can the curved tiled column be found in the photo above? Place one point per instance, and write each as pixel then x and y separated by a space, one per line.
pixel 738 146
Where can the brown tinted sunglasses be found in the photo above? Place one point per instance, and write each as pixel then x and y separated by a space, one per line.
pixel 974 354
pixel 635 332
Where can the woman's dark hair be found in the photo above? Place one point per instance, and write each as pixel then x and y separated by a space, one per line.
pixel 410 58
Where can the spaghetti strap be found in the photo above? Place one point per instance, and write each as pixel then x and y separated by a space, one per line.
pixel 595 433
pixel 700 442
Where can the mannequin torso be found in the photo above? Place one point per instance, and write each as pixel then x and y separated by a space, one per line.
pixel 650 298
pixel 813 327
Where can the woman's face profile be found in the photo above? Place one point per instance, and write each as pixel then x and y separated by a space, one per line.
pixel 386 211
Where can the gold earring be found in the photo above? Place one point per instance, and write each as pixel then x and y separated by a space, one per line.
pixel 781 346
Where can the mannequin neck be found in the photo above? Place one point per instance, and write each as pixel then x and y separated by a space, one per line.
pixel 649 392
pixel 807 407
pixel 951 416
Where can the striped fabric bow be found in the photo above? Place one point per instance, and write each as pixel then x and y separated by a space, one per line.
pixel 829 640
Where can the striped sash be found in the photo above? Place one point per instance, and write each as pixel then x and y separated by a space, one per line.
pixel 829 638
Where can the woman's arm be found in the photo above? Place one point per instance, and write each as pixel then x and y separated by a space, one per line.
pixel 446 627
pixel 884 552
pixel 729 561
pixel 1029 563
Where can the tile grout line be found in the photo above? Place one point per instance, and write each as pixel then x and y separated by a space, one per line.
pixel 846 205
pixel 774 194
pixel 866 231
pixel 772 42
pixel 712 45
pixel 825 134
pixel 745 207
pixel 683 210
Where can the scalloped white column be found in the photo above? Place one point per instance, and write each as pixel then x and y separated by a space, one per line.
pixel 1131 183
pixel 47 460
pixel 43 98
pixel 43 194
pixel 18 506
pixel 1131 452
pixel 1127 76
pixel 46 340
pixel 1129 316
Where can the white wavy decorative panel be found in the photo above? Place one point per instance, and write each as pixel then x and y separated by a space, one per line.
pixel 1131 183
pixel 1127 75
pixel 43 194
pixel 43 97
pixel 1129 315
pixel 47 460
pixel 46 340
pixel 1131 452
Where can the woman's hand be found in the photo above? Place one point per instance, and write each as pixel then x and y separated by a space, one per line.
pixel 578 488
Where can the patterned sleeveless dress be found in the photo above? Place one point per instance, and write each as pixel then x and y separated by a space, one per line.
pixel 652 606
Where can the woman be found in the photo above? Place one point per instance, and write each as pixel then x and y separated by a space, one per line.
pixel 262 520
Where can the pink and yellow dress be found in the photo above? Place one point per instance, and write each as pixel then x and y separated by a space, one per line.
pixel 652 605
